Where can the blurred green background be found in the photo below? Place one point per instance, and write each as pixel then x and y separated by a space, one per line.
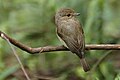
pixel 32 23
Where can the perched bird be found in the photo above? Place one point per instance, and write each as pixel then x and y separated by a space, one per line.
pixel 70 32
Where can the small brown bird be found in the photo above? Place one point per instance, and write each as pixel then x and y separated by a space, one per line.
pixel 70 32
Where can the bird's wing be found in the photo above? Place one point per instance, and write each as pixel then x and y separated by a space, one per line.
pixel 73 37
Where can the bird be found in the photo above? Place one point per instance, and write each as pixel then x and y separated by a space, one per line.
pixel 70 33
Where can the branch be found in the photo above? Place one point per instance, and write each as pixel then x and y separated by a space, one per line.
pixel 59 48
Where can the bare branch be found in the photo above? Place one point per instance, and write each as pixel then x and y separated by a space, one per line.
pixel 59 48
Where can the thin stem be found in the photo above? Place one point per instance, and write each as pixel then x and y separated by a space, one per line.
pixel 17 57
pixel 100 60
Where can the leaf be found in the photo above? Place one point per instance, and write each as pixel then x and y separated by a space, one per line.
pixel 8 71
pixel 117 77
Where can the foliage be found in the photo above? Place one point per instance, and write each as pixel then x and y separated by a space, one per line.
pixel 32 23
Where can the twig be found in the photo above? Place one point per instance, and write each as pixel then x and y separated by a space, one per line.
pixel 100 60
pixel 60 48
pixel 17 57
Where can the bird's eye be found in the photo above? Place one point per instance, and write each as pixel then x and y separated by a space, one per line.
pixel 68 15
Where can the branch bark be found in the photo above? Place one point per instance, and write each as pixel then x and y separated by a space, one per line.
pixel 58 48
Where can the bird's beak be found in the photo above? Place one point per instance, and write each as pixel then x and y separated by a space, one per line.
pixel 76 14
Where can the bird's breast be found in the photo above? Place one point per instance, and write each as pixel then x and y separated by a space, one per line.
pixel 69 26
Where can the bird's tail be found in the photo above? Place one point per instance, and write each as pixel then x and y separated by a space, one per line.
pixel 84 64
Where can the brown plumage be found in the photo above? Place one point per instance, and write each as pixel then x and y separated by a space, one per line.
pixel 70 31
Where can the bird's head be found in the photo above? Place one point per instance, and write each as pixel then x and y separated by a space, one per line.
pixel 65 13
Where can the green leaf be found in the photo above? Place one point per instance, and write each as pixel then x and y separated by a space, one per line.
pixel 8 71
